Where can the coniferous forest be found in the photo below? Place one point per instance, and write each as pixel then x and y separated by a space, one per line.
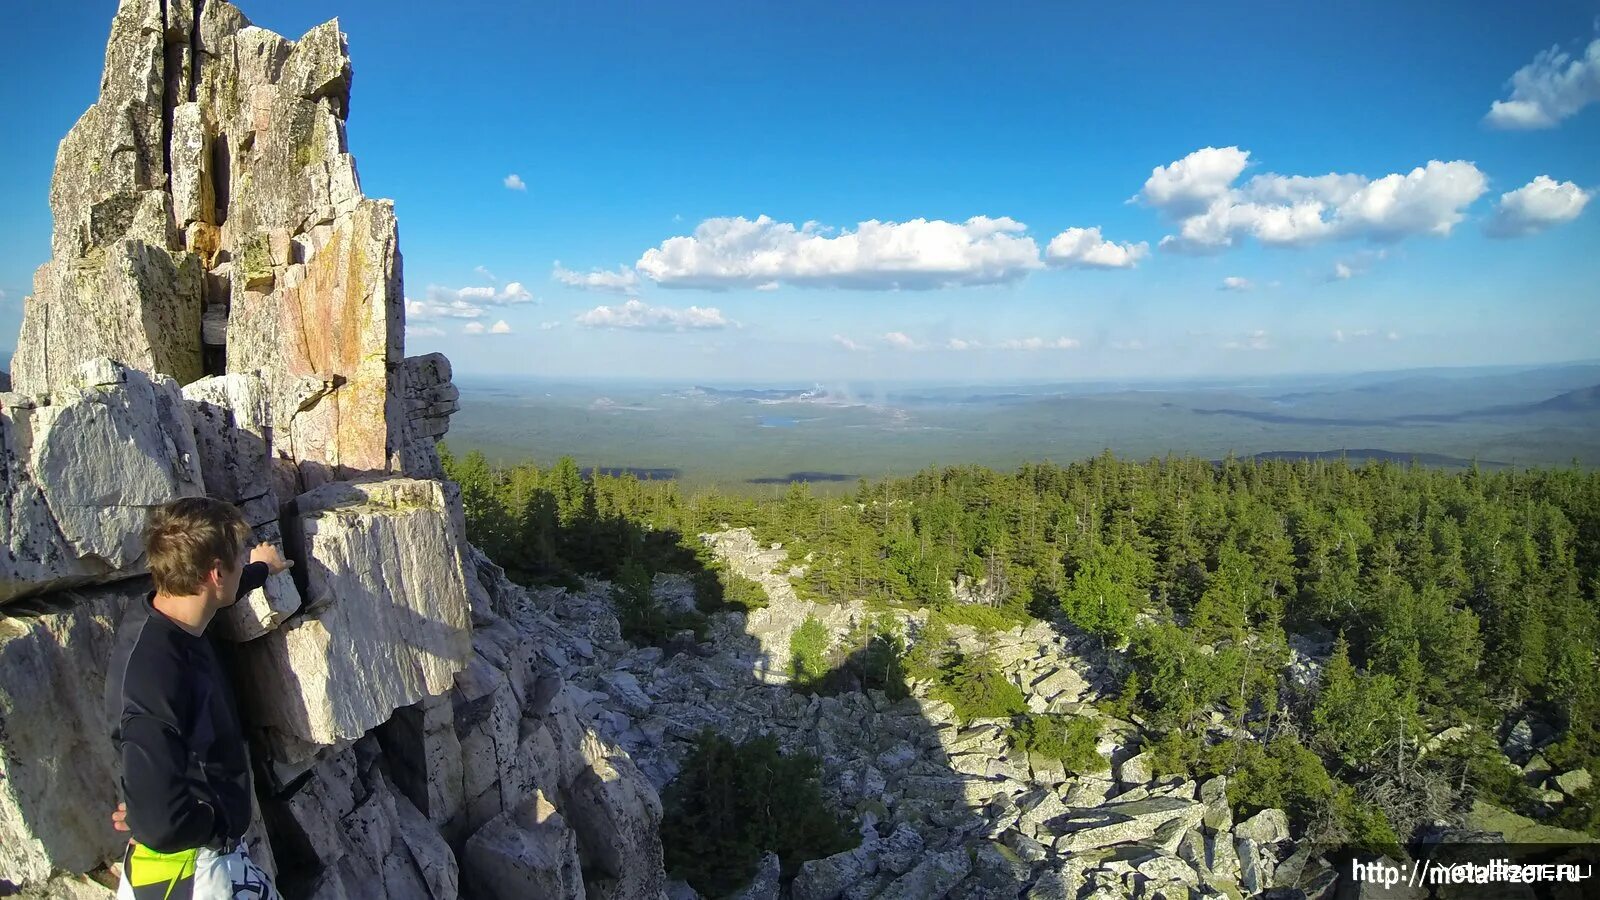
pixel 1442 616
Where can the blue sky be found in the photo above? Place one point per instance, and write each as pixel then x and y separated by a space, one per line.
pixel 642 134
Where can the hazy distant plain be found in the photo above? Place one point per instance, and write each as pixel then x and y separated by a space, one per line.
pixel 756 437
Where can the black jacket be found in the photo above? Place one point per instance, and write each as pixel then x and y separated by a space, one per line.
pixel 185 775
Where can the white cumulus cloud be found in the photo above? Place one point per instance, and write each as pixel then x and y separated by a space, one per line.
pixel 428 310
pixel 1085 248
pixel 1537 205
pixel 622 281
pixel 500 327
pixel 424 331
pixel 548 326
pixel 1341 336
pixel 1553 87
pixel 637 314
pixel 900 341
pixel 959 344
pixel 1236 283
pixel 1199 193
pixel 513 182
pixel 733 252
pixel 1039 343
pixel 1192 184
pixel 846 343
pixel 1358 263
pixel 1255 340
pixel 510 295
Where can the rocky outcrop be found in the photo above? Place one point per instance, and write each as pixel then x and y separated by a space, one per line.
pixel 222 315
pixel 208 219
pixel 763 636
pixel 429 399
pixel 79 470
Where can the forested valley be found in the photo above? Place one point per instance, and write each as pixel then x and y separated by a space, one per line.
pixel 1370 648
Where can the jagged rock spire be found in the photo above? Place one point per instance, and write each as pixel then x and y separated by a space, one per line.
pixel 209 220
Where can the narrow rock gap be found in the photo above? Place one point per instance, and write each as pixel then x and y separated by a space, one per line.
pixel 172 53
pixel 194 50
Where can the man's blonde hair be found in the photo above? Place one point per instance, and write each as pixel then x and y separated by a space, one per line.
pixel 185 538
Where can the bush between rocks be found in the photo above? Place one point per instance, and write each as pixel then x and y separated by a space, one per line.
pixel 734 802
pixel 1070 739
pixel 976 687
pixel 643 621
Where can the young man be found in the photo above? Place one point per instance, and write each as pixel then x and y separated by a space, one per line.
pixel 185 777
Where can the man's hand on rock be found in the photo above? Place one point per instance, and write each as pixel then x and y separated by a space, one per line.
pixel 268 553
pixel 119 819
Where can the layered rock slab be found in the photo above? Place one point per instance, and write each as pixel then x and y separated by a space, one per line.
pixel 80 471
pixel 429 398
pixel 326 339
pixel 387 618
pixel 58 779
pixel 135 301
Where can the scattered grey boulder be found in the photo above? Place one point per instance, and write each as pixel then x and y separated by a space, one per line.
pixel 1255 872
pixel 1570 783
pixel 828 878
pixel 1161 868
pixel 901 850
pixel 1026 848
pixel 1268 826
pixel 932 879
pixel 1135 769
pixel 1519 741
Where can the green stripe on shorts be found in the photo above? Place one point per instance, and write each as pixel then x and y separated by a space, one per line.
pixel 167 876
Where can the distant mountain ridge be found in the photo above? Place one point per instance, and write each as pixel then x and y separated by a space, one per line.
pixel 1582 400
pixel 1371 455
